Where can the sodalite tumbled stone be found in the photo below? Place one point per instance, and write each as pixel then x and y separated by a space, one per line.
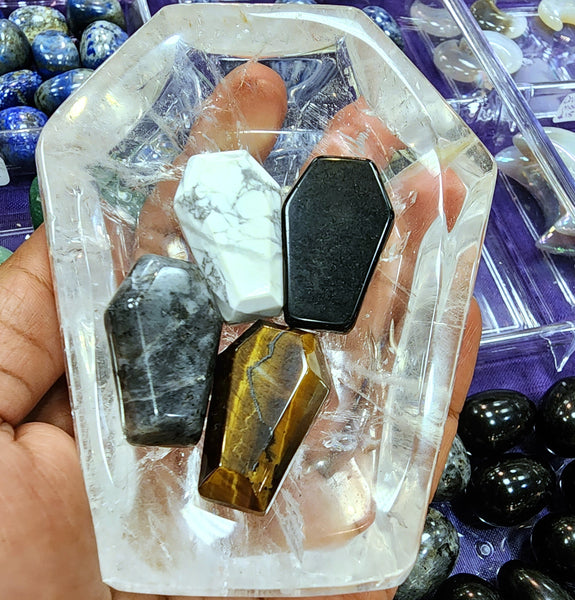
pixel 99 41
pixel 54 53
pixel 18 88
pixel 229 209
pixel 80 13
pixel 54 91
pixel 336 221
pixel 32 20
pixel 164 331
pixel 268 387
pixel 20 128
pixel 14 47
pixel 386 23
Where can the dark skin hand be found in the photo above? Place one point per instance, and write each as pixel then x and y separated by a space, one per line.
pixel 47 544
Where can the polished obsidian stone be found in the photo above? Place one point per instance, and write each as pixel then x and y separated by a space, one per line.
pixel 567 485
pixel 556 417
pixel 436 557
pixel 510 490
pixel 518 581
pixel 553 543
pixel 494 421
pixel 336 221
pixel 456 473
pixel 466 586
pixel 164 332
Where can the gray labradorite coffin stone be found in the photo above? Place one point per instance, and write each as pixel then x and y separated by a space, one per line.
pixel 336 221
pixel 164 331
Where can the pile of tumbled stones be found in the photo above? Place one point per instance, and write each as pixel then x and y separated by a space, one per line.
pixel 44 57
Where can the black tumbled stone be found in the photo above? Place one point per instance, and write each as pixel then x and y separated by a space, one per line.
pixel 336 221
pixel 164 332
pixel 437 554
pixel 518 581
pixel 494 421
pixel 466 586
pixel 556 417
pixel 456 473
pixel 567 485
pixel 553 544
pixel 511 490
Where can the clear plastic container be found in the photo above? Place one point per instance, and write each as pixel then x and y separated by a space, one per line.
pixel 524 288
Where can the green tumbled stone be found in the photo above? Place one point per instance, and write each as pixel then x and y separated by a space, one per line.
pixel 268 387
pixel 5 254
pixel 36 211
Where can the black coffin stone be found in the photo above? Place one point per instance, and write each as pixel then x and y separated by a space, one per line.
pixel 336 221
pixel 164 331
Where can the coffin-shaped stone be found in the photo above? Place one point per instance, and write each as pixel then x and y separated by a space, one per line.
pixel 268 387
pixel 164 330
pixel 336 221
pixel 229 209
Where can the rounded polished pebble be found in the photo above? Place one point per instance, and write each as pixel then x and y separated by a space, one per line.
pixel 456 473
pixel 81 13
pixel 567 485
pixel 54 53
pixel 386 23
pixel 556 418
pixel 18 88
pixel 494 421
pixel 54 91
pixel 466 586
pixel 99 41
pixel 19 131
pixel 510 490
pixel 32 20
pixel 36 211
pixel 5 254
pixel 14 47
pixel 437 554
pixel 518 581
pixel 553 544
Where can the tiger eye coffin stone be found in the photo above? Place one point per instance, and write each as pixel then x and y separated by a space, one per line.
pixel 268 387
pixel 336 221
pixel 164 330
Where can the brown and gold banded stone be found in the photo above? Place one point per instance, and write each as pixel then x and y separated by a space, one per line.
pixel 269 385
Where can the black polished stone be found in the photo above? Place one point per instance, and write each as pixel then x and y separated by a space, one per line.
pixel 336 221
pixel 494 421
pixel 518 581
pixel 511 490
pixel 466 586
pixel 436 557
pixel 456 473
pixel 556 417
pixel 164 332
pixel 567 485
pixel 553 544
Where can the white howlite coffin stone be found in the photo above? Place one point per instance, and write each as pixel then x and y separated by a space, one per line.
pixel 229 208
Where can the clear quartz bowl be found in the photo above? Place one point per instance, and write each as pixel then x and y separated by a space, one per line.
pixel 349 514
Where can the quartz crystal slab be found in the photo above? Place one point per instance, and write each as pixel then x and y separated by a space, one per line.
pixel 164 332
pixel 229 210
pixel 348 515
pixel 336 221
pixel 268 387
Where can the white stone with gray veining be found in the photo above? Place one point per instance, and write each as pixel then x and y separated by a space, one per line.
pixel 229 208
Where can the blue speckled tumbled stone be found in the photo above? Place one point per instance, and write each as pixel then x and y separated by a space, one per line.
pixel 19 130
pixel 99 41
pixel 54 53
pixel 54 91
pixel 81 13
pixel 386 23
pixel 32 20
pixel 18 88
pixel 14 47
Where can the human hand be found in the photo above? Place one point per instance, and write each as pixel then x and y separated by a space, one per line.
pixel 47 545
